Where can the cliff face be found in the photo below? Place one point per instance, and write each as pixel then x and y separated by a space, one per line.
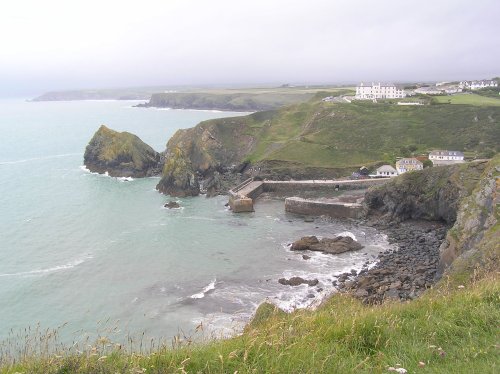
pixel 179 178
pixel 473 243
pixel 432 194
pixel 464 196
pixel 213 145
pixel 121 154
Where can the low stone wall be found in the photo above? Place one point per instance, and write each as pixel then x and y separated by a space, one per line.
pixel 292 187
pixel 318 208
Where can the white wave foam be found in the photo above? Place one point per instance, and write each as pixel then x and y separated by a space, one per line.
pixel 38 158
pixel 209 287
pixel 67 266
pixel 347 233
pixel 223 325
pixel 125 179
pixel 106 174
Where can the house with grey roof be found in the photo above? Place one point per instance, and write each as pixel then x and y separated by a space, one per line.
pixel 446 157
pixel 386 171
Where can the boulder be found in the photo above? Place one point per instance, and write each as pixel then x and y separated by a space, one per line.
pixel 296 281
pixel 337 245
pixel 121 154
pixel 172 205
pixel 304 243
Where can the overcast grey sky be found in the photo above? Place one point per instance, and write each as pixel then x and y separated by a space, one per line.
pixel 61 44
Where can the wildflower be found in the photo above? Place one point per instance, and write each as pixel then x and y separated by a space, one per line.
pixel 398 370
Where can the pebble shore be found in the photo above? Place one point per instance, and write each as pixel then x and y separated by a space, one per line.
pixel 403 273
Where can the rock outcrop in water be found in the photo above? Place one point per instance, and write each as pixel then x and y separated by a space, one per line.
pixel 179 178
pixel 121 154
pixel 337 245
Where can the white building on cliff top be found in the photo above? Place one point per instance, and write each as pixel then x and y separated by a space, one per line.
pixel 476 85
pixel 378 91
pixel 446 157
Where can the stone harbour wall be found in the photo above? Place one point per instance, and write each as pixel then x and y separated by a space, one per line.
pixel 337 209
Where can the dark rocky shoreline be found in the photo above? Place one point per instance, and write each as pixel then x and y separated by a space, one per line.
pixel 403 273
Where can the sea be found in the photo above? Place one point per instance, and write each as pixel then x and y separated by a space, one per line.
pixel 91 255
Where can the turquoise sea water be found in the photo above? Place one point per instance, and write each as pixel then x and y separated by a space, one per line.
pixel 81 248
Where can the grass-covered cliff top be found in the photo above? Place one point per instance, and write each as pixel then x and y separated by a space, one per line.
pixel 343 135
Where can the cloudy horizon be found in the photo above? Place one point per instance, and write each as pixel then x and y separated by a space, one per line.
pixel 59 45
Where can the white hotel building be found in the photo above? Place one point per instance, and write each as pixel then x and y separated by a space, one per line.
pixel 446 157
pixel 378 91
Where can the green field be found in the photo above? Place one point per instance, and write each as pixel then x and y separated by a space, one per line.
pixel 468 99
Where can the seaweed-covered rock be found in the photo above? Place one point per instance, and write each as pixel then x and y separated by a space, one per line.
pixel 121 154
pixel 337 245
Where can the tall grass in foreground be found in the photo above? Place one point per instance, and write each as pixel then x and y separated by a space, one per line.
pixel 448 330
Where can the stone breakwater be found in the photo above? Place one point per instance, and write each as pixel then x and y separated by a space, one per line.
pixel 403 273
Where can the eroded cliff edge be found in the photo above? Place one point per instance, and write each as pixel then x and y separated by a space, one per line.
pixel 121 154
pixel 465 197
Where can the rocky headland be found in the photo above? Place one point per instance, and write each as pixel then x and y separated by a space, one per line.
pixel 121 154
pixel 321 140
pixel 226 100
pixel 201 159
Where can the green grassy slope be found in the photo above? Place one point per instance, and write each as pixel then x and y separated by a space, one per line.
pixel 449 330
pixel 338 135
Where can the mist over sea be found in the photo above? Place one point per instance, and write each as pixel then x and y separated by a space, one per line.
pixel 90 250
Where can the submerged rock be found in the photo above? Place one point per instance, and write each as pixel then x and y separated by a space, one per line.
pixel 297 281
pixel 337 245
pixel 172 205
pixel 120 154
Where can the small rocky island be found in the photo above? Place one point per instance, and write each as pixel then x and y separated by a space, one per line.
pixel 121 154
